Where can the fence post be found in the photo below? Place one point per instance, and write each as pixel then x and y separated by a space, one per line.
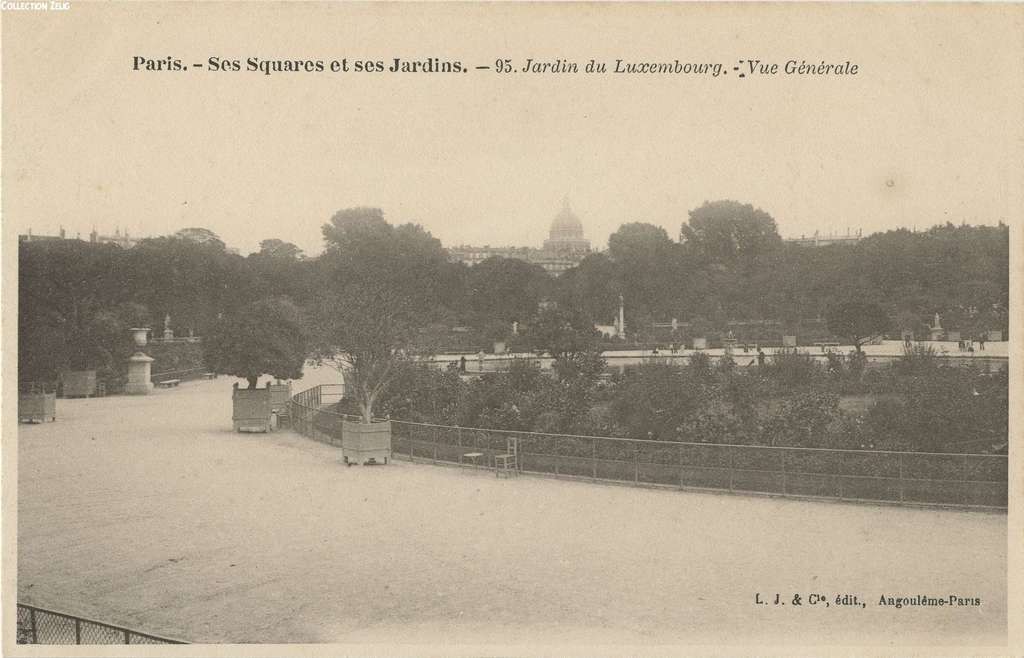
pixel 127 640
pixel 556 456
pixel 784 492
pixel 593 459
pixel 839 478
pixel 32 625
pixel 636 464
pixel 681 476
pixel 963 482
pixel 731 466
pixel 901 477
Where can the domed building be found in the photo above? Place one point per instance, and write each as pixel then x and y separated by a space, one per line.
pixel 566 233
pixel 563 250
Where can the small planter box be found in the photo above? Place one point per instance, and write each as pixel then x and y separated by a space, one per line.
pixel 363 443
pixel 78 384
pixel 251 409
pixel 280 394
pixel 37 407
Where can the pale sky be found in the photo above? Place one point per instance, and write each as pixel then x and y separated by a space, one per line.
pixel 930 130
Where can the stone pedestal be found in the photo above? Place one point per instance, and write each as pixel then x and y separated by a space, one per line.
pixel 138 374
pixel 139 366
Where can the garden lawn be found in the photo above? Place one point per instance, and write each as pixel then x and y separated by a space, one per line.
pixel 149 512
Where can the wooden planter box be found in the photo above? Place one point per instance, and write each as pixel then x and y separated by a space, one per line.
pixel 78 384
pixel 37 407
pixel 280 394
pixel 251 409
pixel 363 443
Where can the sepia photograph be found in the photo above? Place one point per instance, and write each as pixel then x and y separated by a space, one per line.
pixel 511 329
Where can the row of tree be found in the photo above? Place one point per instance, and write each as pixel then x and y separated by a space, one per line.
pixel 379 293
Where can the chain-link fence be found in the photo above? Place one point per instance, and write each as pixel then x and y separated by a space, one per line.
pixel 919 478
pixel 40 626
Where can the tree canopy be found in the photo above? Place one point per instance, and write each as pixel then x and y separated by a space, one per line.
pixel 266 337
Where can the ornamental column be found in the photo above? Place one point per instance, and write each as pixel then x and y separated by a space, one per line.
pixel 139 365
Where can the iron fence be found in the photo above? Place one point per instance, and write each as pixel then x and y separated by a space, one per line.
pixel 41 626
pixel 187 373
pixel 912 478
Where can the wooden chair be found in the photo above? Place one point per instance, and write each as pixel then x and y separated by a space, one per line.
pixel 508 463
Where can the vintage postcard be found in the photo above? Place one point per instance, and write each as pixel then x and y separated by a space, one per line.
pixel 511 329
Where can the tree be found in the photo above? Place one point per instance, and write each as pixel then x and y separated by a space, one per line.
pixel 858 321
pixel 729 232
pixel 274 248
pixel 65 289
pixel 202 236
pixel 265 338
pixel 382 283
pixel 648 268
pixel 570 338
pixel 593 287
pixel 505 289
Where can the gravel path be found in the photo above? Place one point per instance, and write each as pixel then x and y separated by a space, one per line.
pixel 151 513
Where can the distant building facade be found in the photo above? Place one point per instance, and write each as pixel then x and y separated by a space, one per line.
pixel 120 239
pixel 564 248
pixel 818 240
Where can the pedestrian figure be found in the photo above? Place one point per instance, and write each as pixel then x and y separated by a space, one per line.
pixel 480 360
pixel 981 344
pixel 760 357
pixel 462 363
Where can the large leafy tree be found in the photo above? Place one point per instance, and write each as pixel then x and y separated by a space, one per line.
pixel 266 337
pixel 381 284
pixel 648 267
pixel 67 290
pixel 729 232
pixel 570 338
pixel 505 289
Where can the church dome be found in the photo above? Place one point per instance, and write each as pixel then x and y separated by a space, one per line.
pixel 566 232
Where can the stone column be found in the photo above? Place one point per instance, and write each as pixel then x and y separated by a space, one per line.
pixel 139 365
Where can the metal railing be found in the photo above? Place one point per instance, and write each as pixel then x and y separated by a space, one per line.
pixel 41 626
pixel 909 478
pixel 187 373
pixel 614 361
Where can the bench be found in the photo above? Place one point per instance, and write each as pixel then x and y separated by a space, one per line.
pixel 168 383
pixel 209 375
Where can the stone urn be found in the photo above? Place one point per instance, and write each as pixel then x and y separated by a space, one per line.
pixel 139 335
pixel 139 365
